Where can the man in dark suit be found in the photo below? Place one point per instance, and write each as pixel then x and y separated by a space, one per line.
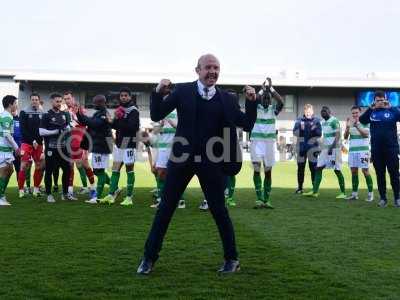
pixel 205 114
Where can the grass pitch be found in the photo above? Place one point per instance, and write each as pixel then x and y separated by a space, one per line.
pixel 304 249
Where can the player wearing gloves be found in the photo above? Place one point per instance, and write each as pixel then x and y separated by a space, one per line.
pixel 126 123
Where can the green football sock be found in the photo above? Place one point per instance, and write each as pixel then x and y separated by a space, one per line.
pixel 114 182
pixel 355 182
pixel 161 184
pixel 231 185
pixel 82 174
pixel 228 187
pixel 317 181
pixel 340 178
pixel 156 178
pixel 3 185
pixel 257 185
pixel 267 188
pixel 107 179
pixel 28 177
pixel 157 193
pixel 370 185
pixel 101 180
pixel 130 183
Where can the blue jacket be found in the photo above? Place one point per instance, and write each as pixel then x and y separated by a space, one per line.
pixel 184 99
pixel 309 135
pixel 383 128
pixel 17 131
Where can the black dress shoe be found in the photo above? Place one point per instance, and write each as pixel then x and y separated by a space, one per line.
pixel 229 266
pixel 299 191
pixel 382 203
pixel 145 267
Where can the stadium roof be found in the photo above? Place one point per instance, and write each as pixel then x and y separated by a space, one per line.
pixel 294 79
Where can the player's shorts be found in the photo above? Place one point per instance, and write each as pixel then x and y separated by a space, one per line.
pixel 263 151
pixel 154 155
pixel 6 159
pixel 359 160
pixel 333 161
pixel 162 158
pixel 100 160
pixel 127 156
pixel 29 153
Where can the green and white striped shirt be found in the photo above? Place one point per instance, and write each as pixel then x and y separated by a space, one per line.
pixel 329 129
pixel 265 127
pixel 6 127
pixel 167 132
pixel 357 143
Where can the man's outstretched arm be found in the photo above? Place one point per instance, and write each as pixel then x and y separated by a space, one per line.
pixel 247 119
pixel 162 100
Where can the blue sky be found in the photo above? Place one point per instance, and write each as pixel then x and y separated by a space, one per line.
pixel 247 36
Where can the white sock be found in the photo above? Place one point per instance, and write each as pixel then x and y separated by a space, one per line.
pixel 21 191
pixel 36 189
pixel 355 194
pixel 70 189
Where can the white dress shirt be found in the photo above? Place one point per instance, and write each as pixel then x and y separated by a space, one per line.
pixel 206 92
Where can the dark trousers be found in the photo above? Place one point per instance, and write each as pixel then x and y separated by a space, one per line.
pixel 56 174
pixel 212 182
pixel 301 166
pixel 17 165
pixel 383 159
pixel 54 161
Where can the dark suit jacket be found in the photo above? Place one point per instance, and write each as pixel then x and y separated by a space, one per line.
pixel 309 137
pixel 184 98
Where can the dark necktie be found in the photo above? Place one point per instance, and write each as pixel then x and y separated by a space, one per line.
pixel 205 96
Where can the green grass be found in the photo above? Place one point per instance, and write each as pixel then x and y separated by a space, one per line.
pixel 304 249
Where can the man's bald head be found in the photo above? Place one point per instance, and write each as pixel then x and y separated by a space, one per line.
pixel 208 69
pixel 204 58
